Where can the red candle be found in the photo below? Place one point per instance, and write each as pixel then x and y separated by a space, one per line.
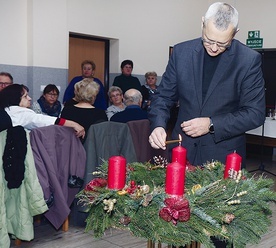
pixel 175 179
pixel 179 155
pixel 232 165
pixel 116 178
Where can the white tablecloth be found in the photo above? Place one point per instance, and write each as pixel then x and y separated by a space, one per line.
pixel 269 129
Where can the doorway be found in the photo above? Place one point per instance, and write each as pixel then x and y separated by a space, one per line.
pixel 82 47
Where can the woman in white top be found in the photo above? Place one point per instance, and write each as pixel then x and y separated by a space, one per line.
pixel 16 102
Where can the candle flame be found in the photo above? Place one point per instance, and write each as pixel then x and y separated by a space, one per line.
pixel 180 139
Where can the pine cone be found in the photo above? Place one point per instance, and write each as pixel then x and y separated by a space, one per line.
pixel 125 220
pixel 160 161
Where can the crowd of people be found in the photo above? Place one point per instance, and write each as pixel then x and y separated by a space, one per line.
pixel 84 101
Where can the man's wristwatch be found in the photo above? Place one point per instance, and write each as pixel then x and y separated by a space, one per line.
pixel 211 127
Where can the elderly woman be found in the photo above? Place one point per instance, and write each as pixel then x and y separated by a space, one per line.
pixel 149 89
pixel 88 68
pixel 16 102
pixel 115 95
pixel 83 112
pixel 48 103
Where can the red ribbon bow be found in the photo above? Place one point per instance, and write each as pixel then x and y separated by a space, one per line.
pixel 177 209
pixel 96 183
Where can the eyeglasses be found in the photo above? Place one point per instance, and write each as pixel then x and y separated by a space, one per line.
pixel 219 45
pixel 112 96
pixel 51 94
pixel 4 84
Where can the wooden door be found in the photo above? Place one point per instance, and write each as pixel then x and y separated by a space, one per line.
pixel 86 48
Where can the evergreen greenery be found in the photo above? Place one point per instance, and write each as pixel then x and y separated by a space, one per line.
pixel 234 210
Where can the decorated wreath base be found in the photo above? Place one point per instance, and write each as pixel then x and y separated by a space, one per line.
pixel 235 210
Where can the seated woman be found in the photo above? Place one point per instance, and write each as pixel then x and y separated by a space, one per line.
pixel 149 89
pixel 48 103
pixel 16 102
pixel 115 95
pixel 84 112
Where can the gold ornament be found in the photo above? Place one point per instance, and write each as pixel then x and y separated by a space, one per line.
pixel 145 189
pixel 241 193
pixel 195 188
pixel 122 192
pixel 210 165
pixel 228 218
pixel 109 204
pixel 233 202
pixel 147 199
pixel 223 229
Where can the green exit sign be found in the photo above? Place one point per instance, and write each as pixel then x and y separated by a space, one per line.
pixel 255 43
pixel 254 34
pixel 254 40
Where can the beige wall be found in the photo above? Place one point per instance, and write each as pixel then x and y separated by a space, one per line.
pixel 35 32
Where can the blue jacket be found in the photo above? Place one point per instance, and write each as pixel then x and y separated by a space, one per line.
pixel 100 101
pixel 131 113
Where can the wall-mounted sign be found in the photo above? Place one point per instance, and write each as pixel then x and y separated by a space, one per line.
pixel 254 40
pixel 253 34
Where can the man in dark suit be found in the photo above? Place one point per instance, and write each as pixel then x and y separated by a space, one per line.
pixel 133 111
pixel 219 85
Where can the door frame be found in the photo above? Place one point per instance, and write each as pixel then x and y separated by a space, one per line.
pixel 106 53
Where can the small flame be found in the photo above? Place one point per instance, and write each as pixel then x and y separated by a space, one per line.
pixel 180 139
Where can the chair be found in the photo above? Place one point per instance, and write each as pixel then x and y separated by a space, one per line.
pixel 58 153
pixel 140 132
pixel 103 140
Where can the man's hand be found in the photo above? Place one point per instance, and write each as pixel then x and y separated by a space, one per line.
pixel 157 138
pixel 196 127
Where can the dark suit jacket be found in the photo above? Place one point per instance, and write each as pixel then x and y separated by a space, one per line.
pixel 131 113
pixel 235 99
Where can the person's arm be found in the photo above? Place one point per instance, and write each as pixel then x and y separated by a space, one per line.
pixel 145 92
pixel 115 81
pixel 79 130
pixel 100 101
pixel 29 119
pixel 166 98
pixel 250 113
pixel 69 92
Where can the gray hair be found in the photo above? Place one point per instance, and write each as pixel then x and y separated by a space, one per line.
pixel 114 88
pixel 222 15
pixel 132 97
pixel 150 73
